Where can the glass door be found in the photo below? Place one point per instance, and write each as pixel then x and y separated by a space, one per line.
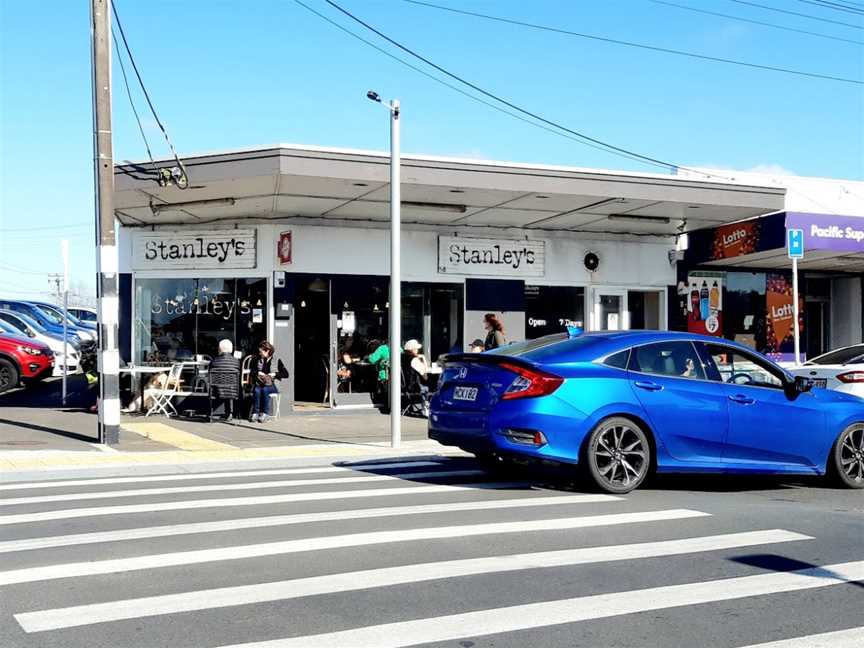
pixel 609 311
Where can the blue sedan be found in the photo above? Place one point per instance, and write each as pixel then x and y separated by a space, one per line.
pixel 620 405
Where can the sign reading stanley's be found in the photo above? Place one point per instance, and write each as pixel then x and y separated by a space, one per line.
pixel 194 249
pixel 482 256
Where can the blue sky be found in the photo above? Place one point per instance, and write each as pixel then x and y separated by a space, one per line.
pixel 227 74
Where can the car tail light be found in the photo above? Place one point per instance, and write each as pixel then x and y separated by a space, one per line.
pixel 851 377
pixel 530 383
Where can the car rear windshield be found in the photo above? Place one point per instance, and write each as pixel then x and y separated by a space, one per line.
pixel 841 356
pixel 548 348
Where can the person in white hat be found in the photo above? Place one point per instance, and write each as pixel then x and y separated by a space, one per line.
pixel 418 360
pixel 413 362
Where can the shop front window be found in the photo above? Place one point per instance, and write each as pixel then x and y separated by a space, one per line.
pixel 179 319
pixel 551 309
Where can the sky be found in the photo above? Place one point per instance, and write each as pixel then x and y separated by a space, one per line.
pixel 226 74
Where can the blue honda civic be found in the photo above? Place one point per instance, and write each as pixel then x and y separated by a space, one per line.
pixel 617 406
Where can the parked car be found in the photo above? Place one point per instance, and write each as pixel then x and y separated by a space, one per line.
pixel 20 324
pixel 84 314
pixel 617 406
pixel 842 369
pixel 22 359
pixel 89 327
pixel 47 320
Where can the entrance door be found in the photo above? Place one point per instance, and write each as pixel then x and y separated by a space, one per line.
pixel 816 328
pixel 312 341
pixel 609 311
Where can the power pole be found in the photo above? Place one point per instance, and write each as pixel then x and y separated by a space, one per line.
pixel 107 306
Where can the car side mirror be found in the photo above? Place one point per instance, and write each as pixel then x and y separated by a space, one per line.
pixel 803 385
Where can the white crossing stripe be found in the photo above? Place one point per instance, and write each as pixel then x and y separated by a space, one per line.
pixel 29 544
pixel 81 615
pixel 116 565
pixel 120 509
pixel 851 638
pixel 550 613
pixel 103 481
pixel 282 483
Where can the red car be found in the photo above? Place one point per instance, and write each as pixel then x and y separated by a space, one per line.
pixel 22 359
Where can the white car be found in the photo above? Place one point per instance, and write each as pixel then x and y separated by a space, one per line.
pixel 842 370
pixel 18 324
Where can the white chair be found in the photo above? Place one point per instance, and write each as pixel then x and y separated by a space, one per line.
pixel 162 397
pixel 275 405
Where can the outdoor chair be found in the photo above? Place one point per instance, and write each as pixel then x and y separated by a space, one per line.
pixel 413 398
pixel 162 398
pixel 224 386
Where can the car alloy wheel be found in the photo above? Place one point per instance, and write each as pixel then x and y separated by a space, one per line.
pixel 619 455
pixel 849 456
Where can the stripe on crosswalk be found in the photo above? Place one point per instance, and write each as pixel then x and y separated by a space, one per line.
pixel 572 610
pixel 151 507
pixel 112 566
pixel 81 615
pixel 257 485
pixel 29 544
pixel 851 638
pixel 104 481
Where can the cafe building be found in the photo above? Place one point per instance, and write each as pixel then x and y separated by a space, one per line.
pixel 291 244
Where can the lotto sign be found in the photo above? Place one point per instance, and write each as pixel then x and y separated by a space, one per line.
pixel 795 243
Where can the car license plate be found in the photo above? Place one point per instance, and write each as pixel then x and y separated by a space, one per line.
pixel 465 393
pixel 820 382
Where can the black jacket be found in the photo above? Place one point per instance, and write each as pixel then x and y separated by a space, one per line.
pixel 225 376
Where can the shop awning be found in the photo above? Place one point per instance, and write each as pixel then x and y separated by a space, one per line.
pixel 832 243
pixel 289 181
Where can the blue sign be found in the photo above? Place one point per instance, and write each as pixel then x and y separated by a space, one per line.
pixel 795 243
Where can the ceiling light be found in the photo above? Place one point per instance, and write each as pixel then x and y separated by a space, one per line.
pixel 156 208
pixel 456 191
pixel 692 206
pixel 360 184
pixel 427 206
pixel 663 220
pixel 541 197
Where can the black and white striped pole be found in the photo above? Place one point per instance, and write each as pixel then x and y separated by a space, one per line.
pixel 108 358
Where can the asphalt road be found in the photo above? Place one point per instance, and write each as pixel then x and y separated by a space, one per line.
pixel 435 553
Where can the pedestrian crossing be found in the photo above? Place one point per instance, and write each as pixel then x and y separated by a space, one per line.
pixel 431 553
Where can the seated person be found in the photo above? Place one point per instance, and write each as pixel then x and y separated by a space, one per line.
pixel 263 380
pixel 225 376
pixel 415 369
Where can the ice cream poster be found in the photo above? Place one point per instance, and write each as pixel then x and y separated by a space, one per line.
pixel 705 303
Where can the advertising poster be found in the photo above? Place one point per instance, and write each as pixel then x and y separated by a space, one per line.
pixel 779 334
pixel 705 303
pixel 735 240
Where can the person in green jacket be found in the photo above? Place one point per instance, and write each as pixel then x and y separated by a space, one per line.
pixel 379 355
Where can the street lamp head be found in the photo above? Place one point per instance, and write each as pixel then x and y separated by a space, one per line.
pixel 373 96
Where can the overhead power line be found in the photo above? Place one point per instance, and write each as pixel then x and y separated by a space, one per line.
pixel 10 268
pixel 757 22
pixel 836 6
pixel 796 13
pixel 45 227
pixel 454 87
pixel 131 100
pixel 614 41
pixel 181 182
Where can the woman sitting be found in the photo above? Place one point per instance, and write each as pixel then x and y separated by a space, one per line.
pixel 263 381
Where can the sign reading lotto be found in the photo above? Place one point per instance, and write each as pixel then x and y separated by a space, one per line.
pixel 829 231
pixel 735 240
pixel 482 256
pixel 194 249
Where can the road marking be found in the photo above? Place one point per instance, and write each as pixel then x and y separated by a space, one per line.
pixel 121 509
pixel 215 475
pixel 550 613
pixel 81 615
pixel 851 638
pixel 172 436
pixel 29 544
pixel 117 565
pixel 209 488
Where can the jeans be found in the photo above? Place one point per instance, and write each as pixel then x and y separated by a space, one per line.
pixel 261 398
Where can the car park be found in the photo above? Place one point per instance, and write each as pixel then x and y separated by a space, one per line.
pixel 47 320
pixel 20 324
pixel 56 311
pixel 841 369
pixel 23 360
pixel 84 314
pixel 617 406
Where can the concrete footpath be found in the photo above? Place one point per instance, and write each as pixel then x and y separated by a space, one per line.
pixel 41 439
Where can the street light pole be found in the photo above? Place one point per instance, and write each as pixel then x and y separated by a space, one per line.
pixel 108 358
pixel 395 273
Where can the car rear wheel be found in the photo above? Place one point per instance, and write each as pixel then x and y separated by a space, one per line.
pixel 8 375
pixel 618 455
pixel 848 457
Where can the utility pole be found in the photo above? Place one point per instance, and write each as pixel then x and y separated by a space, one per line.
pixel 64 252
pixel 107 306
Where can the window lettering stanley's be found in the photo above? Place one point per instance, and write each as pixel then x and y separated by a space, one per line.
pixel 197 249
pixel 462 254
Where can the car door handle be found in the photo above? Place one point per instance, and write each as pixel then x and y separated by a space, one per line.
pixel 648 386
pixel 741 398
